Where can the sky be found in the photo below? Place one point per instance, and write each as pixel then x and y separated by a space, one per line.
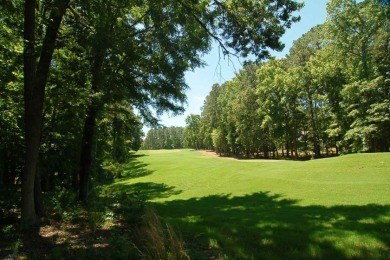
pixel 219 69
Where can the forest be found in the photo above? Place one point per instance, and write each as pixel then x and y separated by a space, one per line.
pixel 80 79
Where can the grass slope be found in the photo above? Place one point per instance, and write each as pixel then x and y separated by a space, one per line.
pixel 330 208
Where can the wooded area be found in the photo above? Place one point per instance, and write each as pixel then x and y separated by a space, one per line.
pixel 73 73
pixel 165 138
pixel 330 95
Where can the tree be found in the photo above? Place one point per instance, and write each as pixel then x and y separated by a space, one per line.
pixel 192 131
pixel 353 26
pixel 326 71
pixel 210 114
pixel 244 109
pixel 35 78
pixel 355 29
pixel 307 45
pixel 277 88
pixel 312 91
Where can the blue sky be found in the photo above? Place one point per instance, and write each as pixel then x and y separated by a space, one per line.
pixel 220 69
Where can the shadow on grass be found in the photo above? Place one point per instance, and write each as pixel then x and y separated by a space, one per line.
pixel 136 169
pixel 264 226
pixel 147 190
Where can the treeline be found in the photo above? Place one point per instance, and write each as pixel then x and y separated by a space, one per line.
pixel 164 138
pixel 331 94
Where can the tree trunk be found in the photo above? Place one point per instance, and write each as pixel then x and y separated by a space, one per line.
pixel 34 94
pixel 296 149
pixel 365 58
pixel 86 152
pixel 75 180
pixel 287 150
pixel 89 130
pixel 313 120
pixel 45 180
pixel 29 217
pixel 266 152
pixel 3 165
pixel 39 208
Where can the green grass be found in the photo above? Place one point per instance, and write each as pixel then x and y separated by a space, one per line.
pixel 329 208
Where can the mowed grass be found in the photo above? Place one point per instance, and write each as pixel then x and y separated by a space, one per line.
pixel 237 209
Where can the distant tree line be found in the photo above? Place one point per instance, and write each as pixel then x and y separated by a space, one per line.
pixel 331 94
pixel 164 138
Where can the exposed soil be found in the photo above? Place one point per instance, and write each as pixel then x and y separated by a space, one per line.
pixel 212 154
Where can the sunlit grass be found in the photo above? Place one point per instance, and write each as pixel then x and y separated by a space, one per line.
pixel 329 208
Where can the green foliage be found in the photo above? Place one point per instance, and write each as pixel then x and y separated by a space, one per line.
pixel 165 138
pixel 192 131
pixel 16 247
pixel 11 92
pixel 370 119
pixel 96 219
pixel 121 246
pixel 61 203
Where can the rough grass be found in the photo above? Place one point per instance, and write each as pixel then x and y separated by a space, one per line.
pixel 329 208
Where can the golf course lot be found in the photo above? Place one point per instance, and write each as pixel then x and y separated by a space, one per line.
pixel 224 208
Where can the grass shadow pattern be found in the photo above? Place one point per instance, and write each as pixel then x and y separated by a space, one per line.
pixel 135 168
pixel 267 226
pixel 147 190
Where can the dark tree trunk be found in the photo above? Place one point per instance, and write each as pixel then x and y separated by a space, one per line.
pixel 287 150
pixel 34 94
pixel 1 174
pixel 39 208
pixel 266 152
pixel 75 180
pixel 45 180
pixel 29 217
pixel 3 165
pixel 86 152
pixel 89 130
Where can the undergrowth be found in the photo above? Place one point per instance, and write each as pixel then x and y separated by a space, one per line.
pixel 112 225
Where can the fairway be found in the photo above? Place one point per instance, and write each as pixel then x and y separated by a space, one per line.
pixel 237 209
